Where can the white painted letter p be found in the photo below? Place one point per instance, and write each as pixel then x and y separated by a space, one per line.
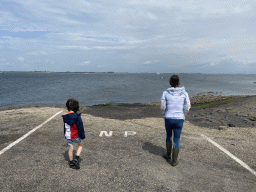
pixel 126 133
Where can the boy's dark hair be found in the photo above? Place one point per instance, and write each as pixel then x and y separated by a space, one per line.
pixel 72 105
pixel 174 81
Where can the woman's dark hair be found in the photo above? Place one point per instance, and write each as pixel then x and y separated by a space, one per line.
pixel 72 105
pixel 174 81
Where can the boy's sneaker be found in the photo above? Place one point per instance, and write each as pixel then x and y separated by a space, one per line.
pixel 71 164
pixel 74 164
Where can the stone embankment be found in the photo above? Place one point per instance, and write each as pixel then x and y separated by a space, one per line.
pixel 208 97
pixel 223 111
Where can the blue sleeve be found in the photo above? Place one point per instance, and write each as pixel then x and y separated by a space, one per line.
pixel 80 127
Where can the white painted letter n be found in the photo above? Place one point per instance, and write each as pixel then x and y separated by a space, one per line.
pixel 106 133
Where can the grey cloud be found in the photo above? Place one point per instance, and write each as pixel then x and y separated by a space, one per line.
pixel 146 35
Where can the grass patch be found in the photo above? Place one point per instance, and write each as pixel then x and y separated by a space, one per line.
pixel 109 105
pixel 106 105
pixel 210 104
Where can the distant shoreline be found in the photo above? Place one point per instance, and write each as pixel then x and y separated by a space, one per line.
pixel 112 72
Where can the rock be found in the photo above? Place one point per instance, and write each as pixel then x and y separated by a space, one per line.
pixel 252 118
pixel 223 128
pixel 208 120
pixel 231 125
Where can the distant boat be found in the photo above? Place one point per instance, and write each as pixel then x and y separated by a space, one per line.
pixel 158 73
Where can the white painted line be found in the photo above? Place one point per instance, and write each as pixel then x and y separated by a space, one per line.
pixel 27 134
pixel 230 154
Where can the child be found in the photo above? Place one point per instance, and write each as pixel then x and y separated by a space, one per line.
pixel 73 131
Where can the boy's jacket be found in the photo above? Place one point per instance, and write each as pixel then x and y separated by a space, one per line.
pixel 73 126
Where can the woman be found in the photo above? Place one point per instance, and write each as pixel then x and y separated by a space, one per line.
pixel 175 103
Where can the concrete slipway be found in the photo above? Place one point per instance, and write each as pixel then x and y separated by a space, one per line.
pixel 131 162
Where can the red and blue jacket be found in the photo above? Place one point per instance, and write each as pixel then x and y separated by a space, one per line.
pixel 73 126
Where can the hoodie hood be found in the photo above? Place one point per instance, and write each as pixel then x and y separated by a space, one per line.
pixel 70 118
pixel 176 91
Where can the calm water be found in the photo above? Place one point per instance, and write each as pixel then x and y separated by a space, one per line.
pixel 40 89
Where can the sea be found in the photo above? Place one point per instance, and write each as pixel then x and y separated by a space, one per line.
pixel 54 88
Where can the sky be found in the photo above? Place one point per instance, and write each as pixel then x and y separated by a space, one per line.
pixel 135 36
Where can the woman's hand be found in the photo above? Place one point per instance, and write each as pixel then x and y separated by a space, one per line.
pixel 161 106
pixel 189 107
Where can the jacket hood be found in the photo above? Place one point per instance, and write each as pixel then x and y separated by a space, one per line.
pixel 178 90
pixel 71 118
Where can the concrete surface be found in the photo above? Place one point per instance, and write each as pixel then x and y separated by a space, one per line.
pixel 119 163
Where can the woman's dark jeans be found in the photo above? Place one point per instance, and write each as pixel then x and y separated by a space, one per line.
pixel 175 126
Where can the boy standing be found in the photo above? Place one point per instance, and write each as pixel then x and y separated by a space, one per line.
pixel 73 131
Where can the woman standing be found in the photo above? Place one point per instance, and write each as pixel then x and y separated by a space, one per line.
pixel 175 104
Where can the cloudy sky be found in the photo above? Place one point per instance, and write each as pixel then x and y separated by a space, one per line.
pixel 185 36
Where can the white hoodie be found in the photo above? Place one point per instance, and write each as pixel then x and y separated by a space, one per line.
pixel 177 102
